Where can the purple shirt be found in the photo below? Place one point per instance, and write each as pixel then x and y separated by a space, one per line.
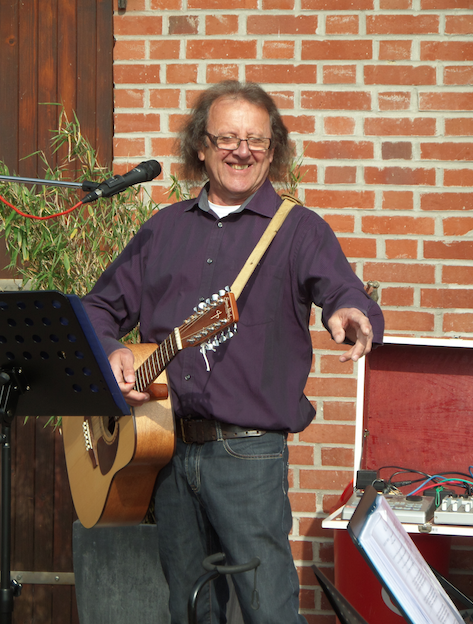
pixel 183 255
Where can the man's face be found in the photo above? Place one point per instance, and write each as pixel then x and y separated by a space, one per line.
pixel 234 175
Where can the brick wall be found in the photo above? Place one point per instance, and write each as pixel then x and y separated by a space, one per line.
pixel 377 95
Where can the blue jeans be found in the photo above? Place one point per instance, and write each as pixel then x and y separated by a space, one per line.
pixel 229 496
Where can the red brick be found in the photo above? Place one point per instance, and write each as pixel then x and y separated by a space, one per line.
pixel 339 410
pixel 457 226
pixel 358 247
pixel 126 50
pixel 446 201
pixel 324 479
pixel 399 75
pixel 327 198
pixel 446 51
pixel 337 5
pixel 338 149
pixel 129 98
pixel 457 250
pixel 221 24
pixel 460 126
pixel 330 364
pixel 165 49
pixel 398 320
pixel 310 173
pixel 358 50
pixel 302 550
pixel 183 25
pixel 164 98
pixel 302 501
pixel 419 226
pixel 281 24
pixel 388 126
pixel 222 71
pixel 303 124
pixel 340 223
pixel 395 5
pixel 399 100
pixel 301 455
pixel 458 75
pixel 340 175
pixel 137 122
pixel 164 146
pixel 398 200
pixel 336 100
pixel 458 323
pixel 328 433
pixel 283 99
pixel 339 125
pixel 339 74
pixel 401 249
pixel 446 151
pixel 446 298
pixel 433 5
pixel 166 5
pixel 446 101
pixel 137 25
pixel 220 49
pixel 333 387
pixel 278 49
pixel 395 50
pixel 342 25
pixel 278 5
pixel 402 24
pixel 136 74
pixel 400 272
pixel 337 457
pixel 401 296
pixel 458 177
pixel 461 275
pixel 181 74
pixel 128 148
pixel 399 175
pixel 459 24
pixel 400 150
pixel 281 73
pixel 222 5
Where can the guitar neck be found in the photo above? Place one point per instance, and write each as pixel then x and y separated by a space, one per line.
pixel 154 365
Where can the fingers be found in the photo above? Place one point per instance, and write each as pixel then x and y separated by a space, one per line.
pixel 351 324
pixel 121 362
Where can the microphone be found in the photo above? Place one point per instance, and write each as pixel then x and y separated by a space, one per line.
pixel 144 172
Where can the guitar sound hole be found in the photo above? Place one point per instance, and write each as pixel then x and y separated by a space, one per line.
pixel 111 425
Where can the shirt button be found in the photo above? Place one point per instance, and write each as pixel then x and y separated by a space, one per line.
pixel 209 260
pixel 220 224
pixel 187 377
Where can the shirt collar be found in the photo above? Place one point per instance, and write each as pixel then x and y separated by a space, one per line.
pixel 264 202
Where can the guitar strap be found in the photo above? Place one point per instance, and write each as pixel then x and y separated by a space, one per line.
pixel 263 244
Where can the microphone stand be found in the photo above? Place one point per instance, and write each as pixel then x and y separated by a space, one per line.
pixel 85 186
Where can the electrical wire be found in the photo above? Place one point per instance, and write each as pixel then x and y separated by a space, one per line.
pixel 53 216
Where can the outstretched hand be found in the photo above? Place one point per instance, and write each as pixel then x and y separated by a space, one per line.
pixel 352 324
pixel 121 362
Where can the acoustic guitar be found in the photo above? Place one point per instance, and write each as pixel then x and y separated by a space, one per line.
pixel 112 463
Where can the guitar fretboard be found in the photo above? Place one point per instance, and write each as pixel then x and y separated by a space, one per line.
pixel 157 362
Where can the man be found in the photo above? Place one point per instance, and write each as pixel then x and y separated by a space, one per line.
pixel 229 492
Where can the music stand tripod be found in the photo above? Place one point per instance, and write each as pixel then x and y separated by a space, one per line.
pixel 51 364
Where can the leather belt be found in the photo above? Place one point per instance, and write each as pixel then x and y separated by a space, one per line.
pixel 193 430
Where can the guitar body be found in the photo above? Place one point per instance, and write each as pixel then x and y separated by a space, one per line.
pixel 112 464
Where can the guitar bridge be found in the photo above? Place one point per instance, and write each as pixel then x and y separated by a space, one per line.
pixel 89 446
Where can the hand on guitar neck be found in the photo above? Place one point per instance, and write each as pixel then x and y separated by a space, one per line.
pixel 122 364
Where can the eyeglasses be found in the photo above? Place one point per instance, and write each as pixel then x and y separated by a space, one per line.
pixel 255 144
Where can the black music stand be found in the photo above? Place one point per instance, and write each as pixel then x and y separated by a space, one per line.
pixel 51 364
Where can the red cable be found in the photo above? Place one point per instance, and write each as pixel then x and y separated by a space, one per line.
pixel 53 216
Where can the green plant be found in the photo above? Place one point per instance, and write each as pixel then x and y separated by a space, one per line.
pixel 68 253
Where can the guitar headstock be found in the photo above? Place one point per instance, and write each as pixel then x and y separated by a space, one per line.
pixel 210 320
